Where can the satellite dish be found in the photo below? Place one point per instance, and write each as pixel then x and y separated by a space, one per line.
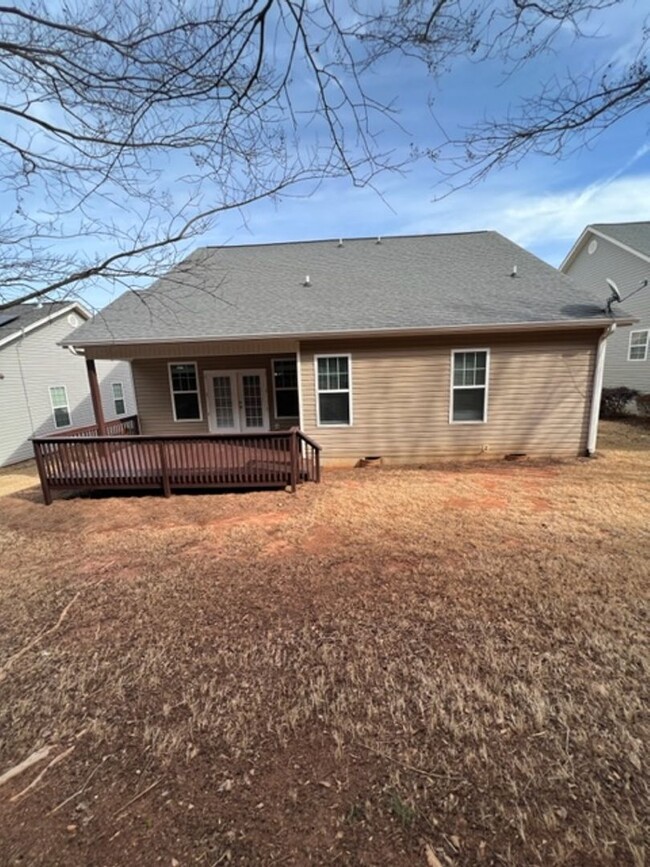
pixel 616 295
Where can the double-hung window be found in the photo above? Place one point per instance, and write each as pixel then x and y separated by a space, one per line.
pixel 60 406
pixel 469 385
pixel 184 385
pixel 118 398
pixel 285 387
pixel 333 390
pixel 638 349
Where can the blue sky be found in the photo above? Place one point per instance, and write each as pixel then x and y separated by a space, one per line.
pixel 543 203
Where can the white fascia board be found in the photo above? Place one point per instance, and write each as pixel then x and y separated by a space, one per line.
pixel 515 328
pixel 573 252
pixel 70 308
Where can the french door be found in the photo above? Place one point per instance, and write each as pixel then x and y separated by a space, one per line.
pixel 237 401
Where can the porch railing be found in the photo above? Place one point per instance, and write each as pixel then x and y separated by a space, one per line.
pixel 128 424
pixel 85 461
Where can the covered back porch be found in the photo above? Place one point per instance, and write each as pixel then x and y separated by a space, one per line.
pixel 84 460
pixel 117 456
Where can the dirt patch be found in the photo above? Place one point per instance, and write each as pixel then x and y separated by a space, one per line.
pixel 18 477
pixel 478 502
pixel 448 657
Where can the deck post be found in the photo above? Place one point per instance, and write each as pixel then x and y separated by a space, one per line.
pixel 294 458
pixel 164 469
pixel 45 485
pixel 96 396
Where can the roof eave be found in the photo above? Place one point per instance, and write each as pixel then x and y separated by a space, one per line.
pixel 513 327
pixel 74 305
pixel 590 230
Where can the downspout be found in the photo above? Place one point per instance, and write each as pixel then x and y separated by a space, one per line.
pixel 597 389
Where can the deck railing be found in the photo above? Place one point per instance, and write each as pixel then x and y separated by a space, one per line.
pixel 85 461
pixel 127 425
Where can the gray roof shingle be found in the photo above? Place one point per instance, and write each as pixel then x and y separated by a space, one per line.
pixel 425 281
pixel 14 319
pixel 634 235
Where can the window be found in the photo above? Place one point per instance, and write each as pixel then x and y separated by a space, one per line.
pixel 638 350
pixel 285 387
pixel 118 398
pixel 333 390
pixel 60 406
pixel 184 384
pixel 469 385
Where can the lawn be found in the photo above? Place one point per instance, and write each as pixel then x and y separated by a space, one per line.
pixel 422 666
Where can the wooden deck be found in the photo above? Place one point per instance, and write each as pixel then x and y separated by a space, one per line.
pixel 83 460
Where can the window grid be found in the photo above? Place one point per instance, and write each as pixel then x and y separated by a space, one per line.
pixel 333 390
pixel 118 398
pixel 469 386
pixel 252 396
pixel 638 348
pixel 223 401
pixel 60 406
pixel 184 386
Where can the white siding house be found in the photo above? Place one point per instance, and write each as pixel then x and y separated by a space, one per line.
pixel 620 252
pixel 44 386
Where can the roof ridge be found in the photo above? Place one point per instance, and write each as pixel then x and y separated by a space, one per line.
pixel 334 240
pixel 623 223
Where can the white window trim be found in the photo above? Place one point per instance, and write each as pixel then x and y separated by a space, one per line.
pixel 453 387
pixel 67 406
pixel 115 399
pixel 174 363
pixel 645 331
pixel 347 390
pixel 275 402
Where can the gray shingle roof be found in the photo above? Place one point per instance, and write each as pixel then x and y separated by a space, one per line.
pixel 634 235
pixel 426 281
pixel 21 316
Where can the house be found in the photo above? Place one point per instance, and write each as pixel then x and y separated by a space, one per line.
pixel 620 252
pixel 43 387
pixel 405 348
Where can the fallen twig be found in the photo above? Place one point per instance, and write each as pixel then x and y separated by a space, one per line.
pixel 135 798
pixel 40 776
pixel 38 756
pixel 81 790
pixel 5 668
pixel 431 774
pixel 7 665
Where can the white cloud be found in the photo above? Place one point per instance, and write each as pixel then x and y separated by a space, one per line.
pixel 546 223
pixel 525 205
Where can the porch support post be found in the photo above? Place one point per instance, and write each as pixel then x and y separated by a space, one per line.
pixel 42 473
pixel 95 396
pixel 294 459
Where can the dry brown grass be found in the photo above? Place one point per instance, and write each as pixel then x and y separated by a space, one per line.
pixel 452 657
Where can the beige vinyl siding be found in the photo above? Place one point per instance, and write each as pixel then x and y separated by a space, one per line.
pixel 182 351
pixel 33 363
pixel 151 381
pixel 539 394
pixel 589 271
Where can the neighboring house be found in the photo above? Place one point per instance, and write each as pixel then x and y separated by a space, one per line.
pixel 620 252
pixel 43 386
pixel 405 348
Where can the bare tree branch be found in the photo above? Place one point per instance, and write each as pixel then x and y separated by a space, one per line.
pixel 128 128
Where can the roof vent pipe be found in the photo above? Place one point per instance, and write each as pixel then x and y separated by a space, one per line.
pixel 307 281
pixel 340 243
pixel 378 241
pixel 514 271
